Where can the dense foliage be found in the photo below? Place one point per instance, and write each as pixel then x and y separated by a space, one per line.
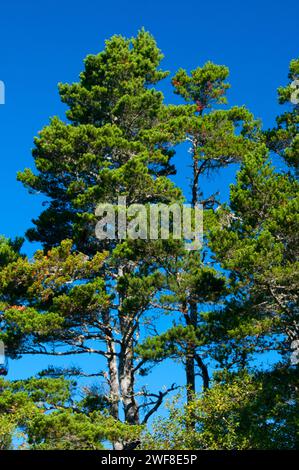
pixel 227 312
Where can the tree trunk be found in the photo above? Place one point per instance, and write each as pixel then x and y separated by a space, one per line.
pixel 113 379
pixel 126 377
pixel 204 371
pixel 114 387
pixel 191 319
pixel 126 371
pixel 192 316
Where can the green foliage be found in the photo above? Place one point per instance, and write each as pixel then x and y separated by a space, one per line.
pixel 256 241
pixel 205 86
pixel 227 304
pixel 284 138
pixel 114 145
pixel 239 412
pixel 217 138
pixel 9 250
pixel 40 414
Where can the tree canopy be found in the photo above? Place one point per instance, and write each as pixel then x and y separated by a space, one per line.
pixel 227 312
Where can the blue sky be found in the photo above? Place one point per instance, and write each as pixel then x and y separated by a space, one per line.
pixel 43 43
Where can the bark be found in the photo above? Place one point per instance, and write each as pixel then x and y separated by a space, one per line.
pixel 113 380
pixel 204 371
pixel 114 387
pixel 127 379
pixel 126 371
pixel 190 363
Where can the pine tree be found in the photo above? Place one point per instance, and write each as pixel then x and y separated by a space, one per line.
pixel 257 242
pixel 217 138
pixel 81 294
pixel 231 300
pixel 254 238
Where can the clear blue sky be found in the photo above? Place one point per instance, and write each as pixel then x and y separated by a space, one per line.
pixel 44 42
